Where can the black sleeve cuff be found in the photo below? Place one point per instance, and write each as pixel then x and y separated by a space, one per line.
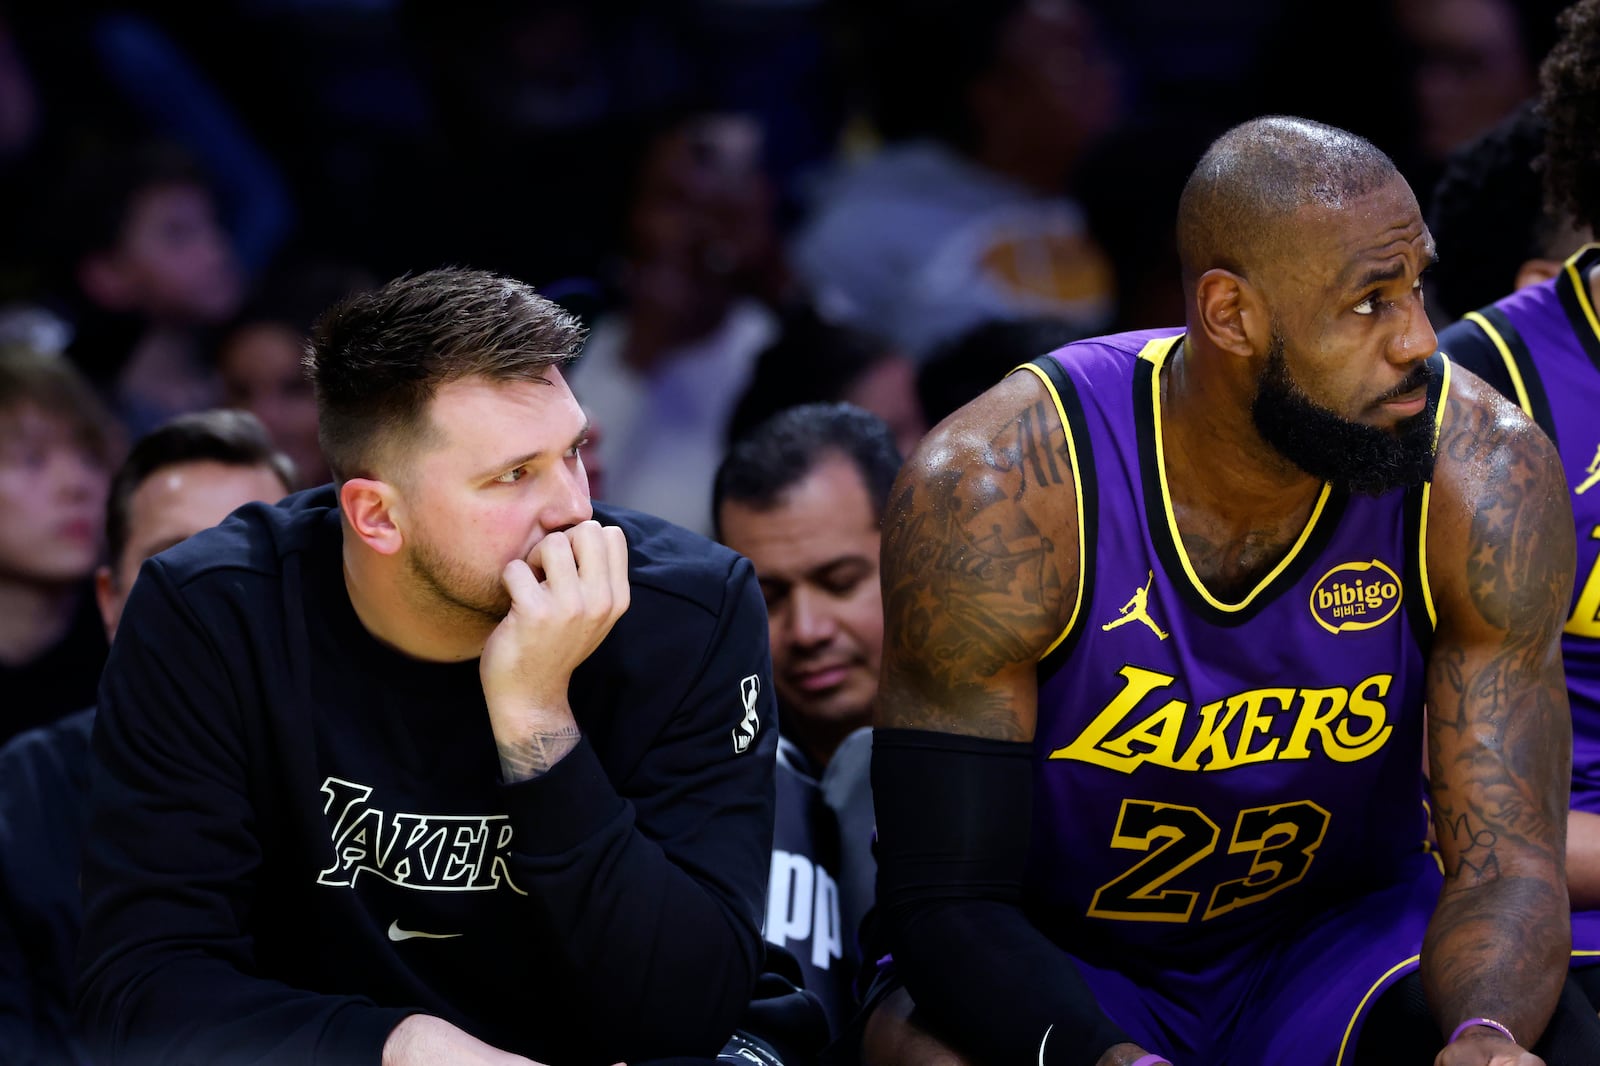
pixel 568 806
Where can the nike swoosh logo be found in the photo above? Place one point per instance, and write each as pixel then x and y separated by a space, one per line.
pixel 398 934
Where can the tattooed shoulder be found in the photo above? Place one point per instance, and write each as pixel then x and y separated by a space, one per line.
pixel 979 563
pixel 1502 511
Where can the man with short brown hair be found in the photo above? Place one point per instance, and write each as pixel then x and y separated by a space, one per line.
pixel 468 769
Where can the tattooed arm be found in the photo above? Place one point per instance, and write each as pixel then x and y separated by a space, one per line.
pixel 979 542
pixel 1500 564
pixel 979 564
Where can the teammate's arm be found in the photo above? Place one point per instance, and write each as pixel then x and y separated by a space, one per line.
pixel 979 576
pixel 1500 564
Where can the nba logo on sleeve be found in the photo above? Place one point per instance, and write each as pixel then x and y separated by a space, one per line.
pixel 745 731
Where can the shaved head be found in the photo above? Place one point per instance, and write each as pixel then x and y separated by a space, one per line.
pixel 1257 177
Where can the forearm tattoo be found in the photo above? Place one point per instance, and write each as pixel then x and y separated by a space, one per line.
pixel 533 754
pixel 1499 736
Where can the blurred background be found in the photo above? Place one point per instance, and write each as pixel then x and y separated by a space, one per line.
pixel 749 202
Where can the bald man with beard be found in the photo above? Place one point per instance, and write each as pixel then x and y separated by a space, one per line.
pixel 1162 614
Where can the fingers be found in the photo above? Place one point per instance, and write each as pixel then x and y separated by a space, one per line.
pixel 519 581
pixel 587 566
pixel 556 558
pixel 617 554
pixel 601 556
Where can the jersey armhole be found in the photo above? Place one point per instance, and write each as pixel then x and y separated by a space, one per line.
pixel 1081 459
pixel 1420 607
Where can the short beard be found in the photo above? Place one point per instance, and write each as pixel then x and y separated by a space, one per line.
pixel 438 582
pixel 1349 455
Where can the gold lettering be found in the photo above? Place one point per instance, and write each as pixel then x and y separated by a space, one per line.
pixel 1314 717
pixel 1212 736
pixel 1231 732
pixel 1255 722
pixel 1585 620
pixel 1350 748
pixel 1159 731
pixel 1087 747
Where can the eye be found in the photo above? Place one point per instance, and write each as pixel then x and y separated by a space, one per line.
pixel 1367 306
pixel 512 476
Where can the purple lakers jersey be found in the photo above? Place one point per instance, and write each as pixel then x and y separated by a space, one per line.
pixel 1213 771
pixel 1541 346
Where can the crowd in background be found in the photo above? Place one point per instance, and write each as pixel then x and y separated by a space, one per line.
pixel 702 181
pixel 749 204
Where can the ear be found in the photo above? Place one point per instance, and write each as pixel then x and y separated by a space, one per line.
pixel 106 598
pixel 104 279
pixel 1533 271
pixel 1232 315
pixel 373 510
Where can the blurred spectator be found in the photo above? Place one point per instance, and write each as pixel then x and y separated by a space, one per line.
pixel 260 355
pixel 331 91
pixel 817 361
pixel 966 213
pixel 1460 66
pixel 55 458
pixel 662 372
pixel 772 59
pixel 1477 61
pixel 972 362
pixel 1490 222
pixel 536 102
pixel 98 78
pixel 209 463
pixel 802 497
pixel 152 273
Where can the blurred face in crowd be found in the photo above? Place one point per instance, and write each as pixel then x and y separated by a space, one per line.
pixel 1053 89
pixel 889 390
pixel 816 555
pixel 174 503
pixel 499 470
pixel 1471 71
pixel 52 499
pixel 173 262
pixel 701 221
pixel 261 373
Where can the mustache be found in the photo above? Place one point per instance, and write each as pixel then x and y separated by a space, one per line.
pixel 1420 377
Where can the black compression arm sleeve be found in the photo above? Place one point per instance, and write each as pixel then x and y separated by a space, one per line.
pixel 953 823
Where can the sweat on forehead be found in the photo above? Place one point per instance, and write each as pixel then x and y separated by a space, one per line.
pixel 1258 176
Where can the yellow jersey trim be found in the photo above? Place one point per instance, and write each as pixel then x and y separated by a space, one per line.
pixel 1507 358
pixel 1157 352
pixel 1344 1045
pixel 1427 499
pixel 1580 288
pixel 1077 491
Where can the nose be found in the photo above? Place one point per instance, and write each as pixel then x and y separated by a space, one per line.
pixel 810 621
pixel 1416 340
pixel 569 502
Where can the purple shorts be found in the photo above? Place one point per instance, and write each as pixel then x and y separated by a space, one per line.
pixel 1296 1002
